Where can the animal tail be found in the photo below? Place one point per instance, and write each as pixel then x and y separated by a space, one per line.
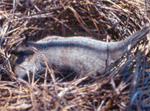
pixel 117 49
pixel 137 36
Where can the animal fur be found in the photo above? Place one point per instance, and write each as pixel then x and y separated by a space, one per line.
pixel 77 54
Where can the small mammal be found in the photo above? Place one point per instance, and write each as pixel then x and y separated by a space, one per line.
pixel 79 54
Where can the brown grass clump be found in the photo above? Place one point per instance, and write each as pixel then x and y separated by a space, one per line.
pixel 125 88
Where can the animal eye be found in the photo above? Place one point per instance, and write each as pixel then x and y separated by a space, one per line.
pixel 20 59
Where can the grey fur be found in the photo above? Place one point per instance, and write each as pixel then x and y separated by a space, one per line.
pixel 81 54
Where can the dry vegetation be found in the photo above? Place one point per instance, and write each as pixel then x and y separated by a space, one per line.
pixel 126 86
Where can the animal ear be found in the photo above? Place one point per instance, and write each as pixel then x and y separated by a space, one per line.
pixel 22 49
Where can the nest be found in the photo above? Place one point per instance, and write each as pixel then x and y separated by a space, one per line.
pixel 126 87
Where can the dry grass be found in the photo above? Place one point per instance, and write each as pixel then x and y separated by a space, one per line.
pixel 128 83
